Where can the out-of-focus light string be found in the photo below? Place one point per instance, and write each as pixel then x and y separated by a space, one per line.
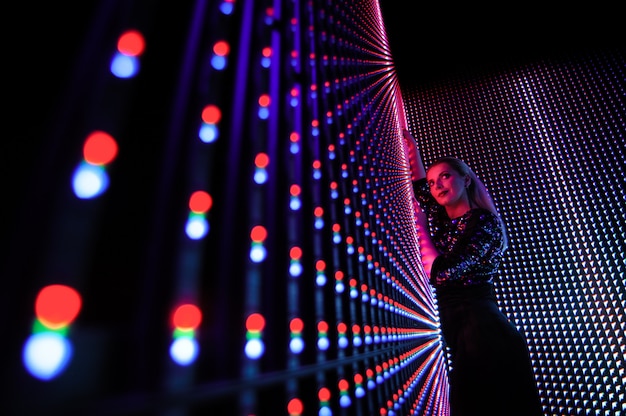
pixel 48 350
pixel 184 348
pixel 90 178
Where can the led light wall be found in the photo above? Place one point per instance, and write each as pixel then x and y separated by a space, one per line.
pixel 231 207
pixel 548 139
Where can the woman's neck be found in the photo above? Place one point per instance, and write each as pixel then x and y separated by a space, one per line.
pixel 457 210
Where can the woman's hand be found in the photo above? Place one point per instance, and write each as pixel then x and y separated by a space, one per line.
pixel 428 251
pixel 414 156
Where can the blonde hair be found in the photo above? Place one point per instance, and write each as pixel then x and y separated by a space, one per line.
pixel 476 191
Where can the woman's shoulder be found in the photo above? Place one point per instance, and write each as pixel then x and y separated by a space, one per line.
pixel 485 220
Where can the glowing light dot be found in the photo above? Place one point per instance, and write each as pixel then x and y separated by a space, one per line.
pixel 296 325
pixel 46 354
pixel 295 253
pixel 295 190
pixel 296 345
pixel 263 113
pixel 131 43
pixel 227 6
pixel 261 160
pixel 343 384
pixel 343 342
pixel 344 401
pixel 197 226
pixel 295 269
pixel 208 132
pixel 221 48
pixel 200 202
pixel 99 148
pixel 211 114
pixel 57 305
pixel 323 343
pixel 184 350
pixel 254 349
pixel 323 394
pixel 123 66
pixel 264 100
pixel 89 180
pixel 218 62
pixel 260 176
pixel 187 317
pixel 320 280
pixel 257 253
pixel 322 326
pixel 255 322
pixel 295 407
pixel 325 411
pixel 320 265
pixel 258 233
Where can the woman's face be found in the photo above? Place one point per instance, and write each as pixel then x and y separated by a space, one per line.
pixel 447 186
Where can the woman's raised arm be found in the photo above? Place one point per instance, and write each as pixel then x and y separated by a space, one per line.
pixel 414 155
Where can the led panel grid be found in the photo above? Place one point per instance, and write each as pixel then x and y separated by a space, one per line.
pixel 549 140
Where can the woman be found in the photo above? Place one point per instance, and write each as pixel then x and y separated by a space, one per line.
pixel 462 240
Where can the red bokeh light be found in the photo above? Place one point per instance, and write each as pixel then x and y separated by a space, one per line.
pixel 99 148
pixel 255 322
pixel 131 43
pixel 187 317
pixel 200 202
pixel 57 306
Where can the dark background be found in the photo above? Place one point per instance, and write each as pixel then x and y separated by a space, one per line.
pixel 431 42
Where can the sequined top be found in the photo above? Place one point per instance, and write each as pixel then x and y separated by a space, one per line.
pixel 470 246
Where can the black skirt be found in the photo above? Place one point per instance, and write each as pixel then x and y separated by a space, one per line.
pixel 491 372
